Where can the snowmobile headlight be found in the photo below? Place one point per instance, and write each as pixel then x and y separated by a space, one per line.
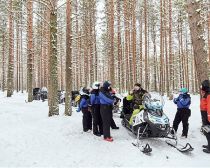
pixel 162 126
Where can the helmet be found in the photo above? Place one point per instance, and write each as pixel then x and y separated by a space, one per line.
pixel 84 91
pixel 183 90
pixel 106 84
pixel 205 86
pixel 137 84
pixel 96 85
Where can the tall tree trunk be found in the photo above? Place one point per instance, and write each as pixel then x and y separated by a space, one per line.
pixel 53 77
pixel 112 60
pixel 10 76
pixel 3 62
pixel 30 49
pixel 161 47
pixel 134 39
pixel 170 47
pixel 197 32
pixel 145 44
pixel 17 53
pixel 141 46
pixel 68 109
pixel 119 47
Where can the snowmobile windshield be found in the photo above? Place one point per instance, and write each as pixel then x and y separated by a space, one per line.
pixel 153 104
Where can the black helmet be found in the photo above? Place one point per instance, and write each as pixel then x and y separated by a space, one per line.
pixel 137 84
pixel 106 84
pixel 205 86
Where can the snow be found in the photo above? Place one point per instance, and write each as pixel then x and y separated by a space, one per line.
pixel 29 138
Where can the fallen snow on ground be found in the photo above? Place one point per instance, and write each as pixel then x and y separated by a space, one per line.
pixel 28 137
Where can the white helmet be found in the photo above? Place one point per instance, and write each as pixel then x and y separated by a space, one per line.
pixel 84 91
pixel 96 85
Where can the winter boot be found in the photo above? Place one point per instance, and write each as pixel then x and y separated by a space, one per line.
pixel 116 128
pixel 183 136
pixel 205 146
pixel 109 139
pixel 206 151
pixel 97 134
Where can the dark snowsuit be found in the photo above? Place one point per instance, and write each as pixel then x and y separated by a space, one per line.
pixel 127 106
pixel 138 97
pixel 87 117
pixel 205 112
pixel 97 120
pixel 106 101
pixel 116 100
pixel 183 113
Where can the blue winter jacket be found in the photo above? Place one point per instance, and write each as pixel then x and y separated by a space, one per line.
pixel 183 101
pixel 105 98
pixel 83 104
pixel 94 98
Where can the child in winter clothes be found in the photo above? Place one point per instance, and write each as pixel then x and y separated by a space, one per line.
pixel 183 102
pixel 205 111
pixel 83 105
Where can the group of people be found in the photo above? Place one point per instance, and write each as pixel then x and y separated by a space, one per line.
pixel 96 105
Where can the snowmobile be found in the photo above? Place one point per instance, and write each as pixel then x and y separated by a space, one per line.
pixel 149 121
pixel 36 93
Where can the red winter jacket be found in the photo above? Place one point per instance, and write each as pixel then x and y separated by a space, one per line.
pixel 205 104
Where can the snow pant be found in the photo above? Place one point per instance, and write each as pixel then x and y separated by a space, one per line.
pixel 208 139
pixel 113 125
pixel 182 115
pixel 86 120
pixel 204 118
pixel 206 131
pixel 106 115
pixel 97 120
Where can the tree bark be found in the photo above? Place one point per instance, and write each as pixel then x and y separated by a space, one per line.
pixel 198 42
pixel 30 49
pixel 10 76
pixel 68 109
pixel 53 77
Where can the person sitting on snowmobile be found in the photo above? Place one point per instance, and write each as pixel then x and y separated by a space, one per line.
pixel 137 98
pixel 83 105
pixel 205 109
pixel 183 112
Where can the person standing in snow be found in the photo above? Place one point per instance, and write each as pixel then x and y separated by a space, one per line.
pixel 116 102
pixel 83 106
pixel 106 105
pixel 183 102
pixel 205 111
pixel 95 103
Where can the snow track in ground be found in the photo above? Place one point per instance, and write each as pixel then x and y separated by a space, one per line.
pixel 29 138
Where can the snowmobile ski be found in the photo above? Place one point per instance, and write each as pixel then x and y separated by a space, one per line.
pixel 180 147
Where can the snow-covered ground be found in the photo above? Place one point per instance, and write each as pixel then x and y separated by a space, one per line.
pixel 29 138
